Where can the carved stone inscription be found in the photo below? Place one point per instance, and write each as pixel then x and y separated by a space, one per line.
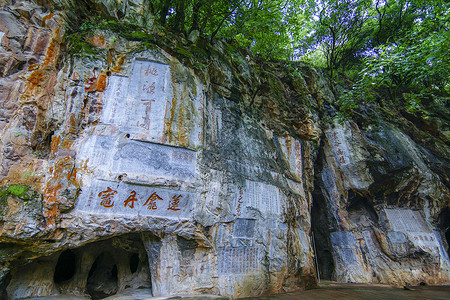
pixel 328 178
pixel 138 104
pixel 339 146
pixel 406 220
pixel 244 228
pixel 114 100
pixel 107 197
pixel 147 97
pixel 257 195
pixel 136 158
pixel 344 243
pixel 292 150
pixel 241 260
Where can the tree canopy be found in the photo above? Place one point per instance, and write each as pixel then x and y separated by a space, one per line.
pixel 399 45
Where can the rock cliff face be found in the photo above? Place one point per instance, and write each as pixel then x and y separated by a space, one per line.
pixel 189 168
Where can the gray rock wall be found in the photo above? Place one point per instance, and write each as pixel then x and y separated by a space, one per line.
pixel 183 174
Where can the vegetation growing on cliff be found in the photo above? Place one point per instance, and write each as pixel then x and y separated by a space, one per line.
pixel 392 51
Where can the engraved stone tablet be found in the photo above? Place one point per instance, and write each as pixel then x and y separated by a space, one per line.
pixel 406 220
pixel 257 195
pixel 241 260
pixel 137 105
pixel 114 100
pixel 292 150
pixel 397 237
pixel 113 198
pixel 328 178
pixel 343 239
pixel 139 159
pixel 244 228
pixel 339 146
pixel 147 99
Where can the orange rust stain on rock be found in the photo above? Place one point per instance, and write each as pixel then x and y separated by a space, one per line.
pixel 56 141
pixel 181 126
pixel 66 144
pixel 29 170
pixel 50 215
pixel 37 77
pixel 33 67
pixel 50 192
pixel 90 84
pixel 64 175
pixel 46 18
pixel 97 40
pixel 118 67
pixel 52 50
pixel 168 123
pixel 101 82
pixel 73 124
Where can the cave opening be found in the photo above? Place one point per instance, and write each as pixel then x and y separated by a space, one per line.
pixel 102 278
pixel 321 236
pixel 361 210
pixel 444 228
pixel 134 262
pixel 65 267
pixel 3 285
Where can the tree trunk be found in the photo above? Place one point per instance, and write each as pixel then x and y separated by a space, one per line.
pixel 164 12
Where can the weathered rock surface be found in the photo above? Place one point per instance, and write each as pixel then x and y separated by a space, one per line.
pixel 177 167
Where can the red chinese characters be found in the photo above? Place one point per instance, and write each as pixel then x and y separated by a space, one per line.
pixel 173 205
pixel 146 118
pixel 298 158
pixel 340 155
pixel 239 208
pixel 130 200
pixel 148 88
pixel 106 197
pixel 135 201
pixel 181 155
pixel 151 71
pixel 151 201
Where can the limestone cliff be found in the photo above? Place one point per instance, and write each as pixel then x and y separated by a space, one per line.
pixel 135 159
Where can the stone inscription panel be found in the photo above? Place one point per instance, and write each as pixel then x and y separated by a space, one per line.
pixel 406 220
pixel 423 239
pixel 257 195
pixel 369 241
pixel 149 84
pixel 241 260
pixel 244 228
pixel 107 197
pixel 328 178
pixel 344 244
pixel 138 104
pixel 343 239
pixel 339 146
pixel 292 150
pixel 397 237
pixel 136 158
pixel 114 100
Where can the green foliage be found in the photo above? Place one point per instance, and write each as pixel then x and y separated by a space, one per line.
pixel 394 51
pixel 20 191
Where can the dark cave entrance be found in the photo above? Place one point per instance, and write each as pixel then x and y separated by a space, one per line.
pixel 65 267
pixel 134 262
pixel 3 284
pixel 444 228
pixel 100 269
pixel 102 278
pixel 321 236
